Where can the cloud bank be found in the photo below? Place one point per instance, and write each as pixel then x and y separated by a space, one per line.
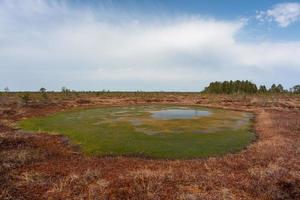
pixel 53 43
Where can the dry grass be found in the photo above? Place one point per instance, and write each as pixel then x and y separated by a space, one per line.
pixel 87 185
pixel 46 167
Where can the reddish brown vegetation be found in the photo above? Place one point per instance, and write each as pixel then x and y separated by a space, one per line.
pixel 40 166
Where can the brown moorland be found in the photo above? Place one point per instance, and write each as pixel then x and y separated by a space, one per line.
pixel 42 166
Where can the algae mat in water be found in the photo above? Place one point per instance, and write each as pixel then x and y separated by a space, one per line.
pixel 173 132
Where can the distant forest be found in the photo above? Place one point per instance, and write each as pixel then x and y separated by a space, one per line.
pixel 247 87
pixel 217 87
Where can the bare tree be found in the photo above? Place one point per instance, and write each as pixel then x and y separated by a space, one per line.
pixel 6 89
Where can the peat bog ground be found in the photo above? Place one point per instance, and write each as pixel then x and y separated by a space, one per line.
pixel 45 166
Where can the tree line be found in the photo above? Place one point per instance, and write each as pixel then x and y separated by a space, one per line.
pixel 247 87
pixel 217 87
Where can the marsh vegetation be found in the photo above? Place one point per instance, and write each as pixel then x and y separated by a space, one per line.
pixel 151 131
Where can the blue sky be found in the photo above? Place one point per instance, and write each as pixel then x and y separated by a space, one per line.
pixel 178 45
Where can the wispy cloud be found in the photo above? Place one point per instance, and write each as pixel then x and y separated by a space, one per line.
pixel 284 14
pixel 68 45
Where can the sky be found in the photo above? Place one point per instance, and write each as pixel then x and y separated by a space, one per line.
pixel 129 45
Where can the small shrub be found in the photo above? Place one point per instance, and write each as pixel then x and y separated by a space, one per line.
pixel 25 98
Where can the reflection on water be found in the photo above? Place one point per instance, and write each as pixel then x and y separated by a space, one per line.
pixel 179 113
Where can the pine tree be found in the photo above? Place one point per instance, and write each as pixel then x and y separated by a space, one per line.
pixel 262 89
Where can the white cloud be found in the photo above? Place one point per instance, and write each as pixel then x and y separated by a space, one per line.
pixel 284 14
pixel 42 37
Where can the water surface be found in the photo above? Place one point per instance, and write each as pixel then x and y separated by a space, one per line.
pixel 154 131
pixel 179 114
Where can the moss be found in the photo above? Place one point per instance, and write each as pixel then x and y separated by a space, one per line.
pixel 104 131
